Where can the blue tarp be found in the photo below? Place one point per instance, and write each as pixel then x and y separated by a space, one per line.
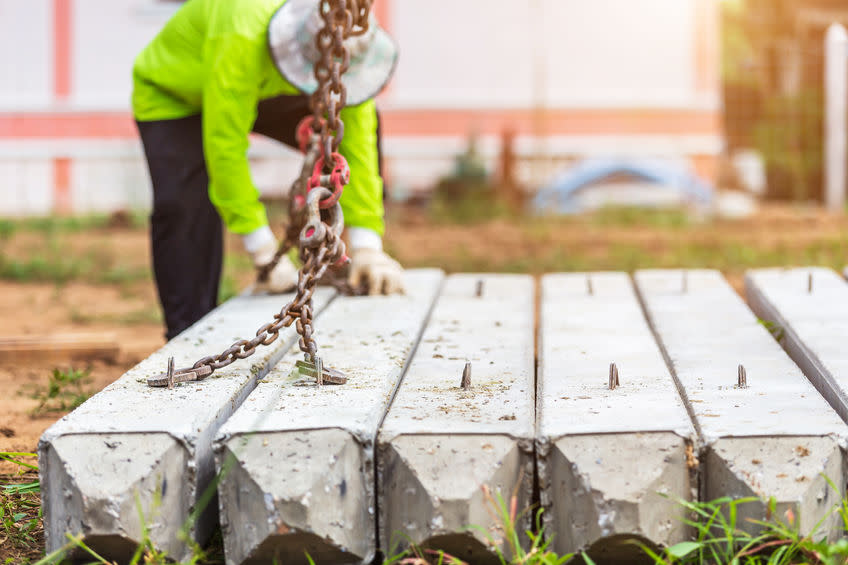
pixel 559 196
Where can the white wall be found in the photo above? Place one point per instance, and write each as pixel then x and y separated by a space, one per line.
pixel 26 51
pixel 619 52
pixel 455 54
pixel 561 53
pixel 107 35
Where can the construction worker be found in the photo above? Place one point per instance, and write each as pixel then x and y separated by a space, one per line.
pixel 215 73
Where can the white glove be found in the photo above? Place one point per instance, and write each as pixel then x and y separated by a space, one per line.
pixel 380 273
pixel 262 246
pixel 369 265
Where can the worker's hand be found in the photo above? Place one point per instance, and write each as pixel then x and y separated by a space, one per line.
pixel 262 246
pixel 282 278
pixel 377 271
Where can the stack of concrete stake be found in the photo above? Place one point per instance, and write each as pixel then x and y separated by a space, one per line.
pixel 637 392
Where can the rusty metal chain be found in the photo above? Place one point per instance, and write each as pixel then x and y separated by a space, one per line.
pixel 342 19
pixel 315 216
pixel 321 247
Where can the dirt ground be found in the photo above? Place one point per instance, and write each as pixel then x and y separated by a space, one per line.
pixel 97 280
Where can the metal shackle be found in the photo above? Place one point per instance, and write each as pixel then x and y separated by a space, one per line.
pixel 315 229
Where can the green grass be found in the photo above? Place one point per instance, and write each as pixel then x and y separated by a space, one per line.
pixel 56 265
pixel 629 216
pixel 64 391
pixel 20 506
pixel 719 535
pixel 73 224
pixel 720 538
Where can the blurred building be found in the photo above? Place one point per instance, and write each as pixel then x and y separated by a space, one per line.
pixel 563 78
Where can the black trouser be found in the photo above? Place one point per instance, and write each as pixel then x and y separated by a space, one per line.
pixel 186 232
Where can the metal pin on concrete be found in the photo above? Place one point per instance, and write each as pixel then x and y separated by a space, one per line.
pixel 685 283
pixel 604 465
pixel 613 377
pixel 465 384
pixel 303 459
pixel 749 441
pixel 427 435
pixel 813 329
pixel 589 287
pixel 810 282
pixel 170 372
pixel 478 291
pixel 742 378
pixel 319 371
pixel 132 448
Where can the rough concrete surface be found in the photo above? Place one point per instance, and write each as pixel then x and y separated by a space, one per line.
pixel 604 455
pixel 793 469
pixel 297 460
pixel 706 331
pixel 132 445
pixel 808 308
pixel 440 443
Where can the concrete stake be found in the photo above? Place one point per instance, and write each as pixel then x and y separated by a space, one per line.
pixel 605 452
pixel 297 461
pixel 132 445
pixel 747 432
pixel 813 327
pixel 439 445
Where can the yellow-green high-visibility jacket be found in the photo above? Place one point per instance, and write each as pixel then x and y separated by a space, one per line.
pixel 212 58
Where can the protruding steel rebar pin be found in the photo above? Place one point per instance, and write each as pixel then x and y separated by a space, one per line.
pixel 465 383
pixel 478 291
pixel 810 282
pixel 319 371
pixel 685 283
pixel 589 288
pixel 170 372
pixel 613 377
pixel 742 378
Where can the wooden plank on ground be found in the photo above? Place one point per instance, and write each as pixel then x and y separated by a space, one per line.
pixel 133 448
pixel 772 435
pixel 59 347
pixel 297 460
pixel 612 461
pixel 441 443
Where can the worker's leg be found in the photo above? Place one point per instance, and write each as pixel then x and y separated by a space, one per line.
pixel 186 231
pixel 278 118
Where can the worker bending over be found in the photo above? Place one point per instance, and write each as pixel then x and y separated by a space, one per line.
pixel 215 73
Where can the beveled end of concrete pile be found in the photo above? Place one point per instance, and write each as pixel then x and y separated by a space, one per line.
pixel 616 487
pixel 285 494
pixel 107 487
pixel 790 469
pixel 432 491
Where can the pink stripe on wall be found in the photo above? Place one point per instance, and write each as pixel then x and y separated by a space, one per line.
pixel 38 125
pixel 582 121
pixel 62 55
pixel 62 23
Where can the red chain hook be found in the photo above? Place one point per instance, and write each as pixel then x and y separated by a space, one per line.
pixel 337 179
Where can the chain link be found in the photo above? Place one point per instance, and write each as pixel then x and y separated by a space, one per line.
pixel 315 217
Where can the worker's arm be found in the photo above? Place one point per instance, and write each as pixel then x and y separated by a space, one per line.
pixel 362 200
pixel 230 97
pixel 362 203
